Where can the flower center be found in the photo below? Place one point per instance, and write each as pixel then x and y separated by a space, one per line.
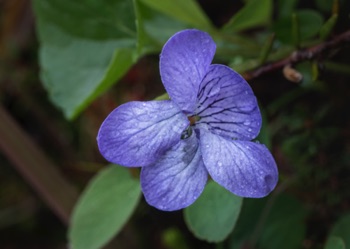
pixel 188 132
pixel 193 119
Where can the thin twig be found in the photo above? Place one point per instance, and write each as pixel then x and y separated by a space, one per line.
pixel 299 56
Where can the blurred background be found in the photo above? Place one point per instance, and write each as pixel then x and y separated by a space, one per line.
pixel 46 160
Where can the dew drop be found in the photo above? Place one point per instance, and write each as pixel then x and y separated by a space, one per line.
pixel 247 108
pixel 250 130
pixel 247 122
pixel 214 91
pixel 219 163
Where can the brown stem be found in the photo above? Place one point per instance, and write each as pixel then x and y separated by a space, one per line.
pixel 298 56
pixel 38 170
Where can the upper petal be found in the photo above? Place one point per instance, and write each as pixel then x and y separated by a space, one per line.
pixel 227 105
pixel 138 133
pixel 245 168
pixel 184 61
pixel 177 179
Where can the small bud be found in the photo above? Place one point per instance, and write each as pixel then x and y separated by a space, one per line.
pixel 291 74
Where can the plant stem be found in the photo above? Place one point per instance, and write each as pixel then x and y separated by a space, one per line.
pixel 299 56
pixel 38 170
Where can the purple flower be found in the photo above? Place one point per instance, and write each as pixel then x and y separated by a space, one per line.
pixel 206 128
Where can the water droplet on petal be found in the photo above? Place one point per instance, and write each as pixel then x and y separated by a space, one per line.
pixel 214 91
pixel 247 108
pixel 247 122
pixel 250 130
pixel 219 163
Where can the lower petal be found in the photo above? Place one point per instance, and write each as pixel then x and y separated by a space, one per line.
pixel 139 133
pixel 245 168
pixel 177 179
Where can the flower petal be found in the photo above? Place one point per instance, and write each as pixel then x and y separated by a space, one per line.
pixel 184 61
pixel 177 179
pixel 227 105
pixel 138 133
pixel 245 168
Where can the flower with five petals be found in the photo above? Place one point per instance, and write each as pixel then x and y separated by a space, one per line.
pixel 204 129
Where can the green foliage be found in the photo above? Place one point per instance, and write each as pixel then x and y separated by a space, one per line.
pixel 328 26
pixel 149 21
pixel 341 230
pixel 309 23
pixel 105 206
pixel 85 48
pixel 187 11
pixel 255 13
pixel 334 243
pixel 286 8
pixel 270 223
pixel 213 216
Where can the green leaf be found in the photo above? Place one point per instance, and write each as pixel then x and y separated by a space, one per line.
pixel 286 7
pixel 284 227
pixel 266 49
pixel 334 243
pixel 103 208
pixel 85 48
pixel 328 26
pixel 341 229
pixel 153 28
pixel 309 24
pixel 213 216
pixel 269 223
pixel 187 11
pixel 255 13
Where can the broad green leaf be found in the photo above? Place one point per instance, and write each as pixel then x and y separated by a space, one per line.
pixel 213 216
pixel 285 8
pixel 153 28
pixel 284 227
pixel 187 11
pixel 84 48
pixel 270 224
pixel 334 243
pixel 309 24
pixel 341 229
pixel 103 208
pixel 255 13
pixel 248 219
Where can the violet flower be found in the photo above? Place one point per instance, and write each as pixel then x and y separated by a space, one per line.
pixel 206 128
